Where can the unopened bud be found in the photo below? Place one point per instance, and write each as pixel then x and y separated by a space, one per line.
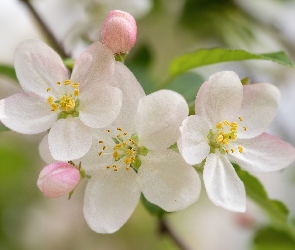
pixel 58 179
pixel 119 31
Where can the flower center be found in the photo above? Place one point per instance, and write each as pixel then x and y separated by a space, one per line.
pixel 224 133
pixel 68 103
pixel 124 152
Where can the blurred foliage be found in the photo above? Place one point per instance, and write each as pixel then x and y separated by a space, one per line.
pixel 270 238
pixel 276 210
pixel 8 71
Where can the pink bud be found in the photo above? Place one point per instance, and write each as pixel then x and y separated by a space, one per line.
pixel 58 179
pixel 119 31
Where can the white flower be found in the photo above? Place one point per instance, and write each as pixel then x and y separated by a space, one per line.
pixel 145 128
pixel 229 127
pixel 69 107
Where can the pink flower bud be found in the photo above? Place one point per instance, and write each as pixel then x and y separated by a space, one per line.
pixel 58 179
pixel 119 31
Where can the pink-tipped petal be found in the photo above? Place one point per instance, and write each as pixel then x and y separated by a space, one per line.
pixel 258 109
pixel 58 179
pixel 192 142
pixel 26 113
pixel 223 186
pixel 264 153
pixel 219 98
pixel 110 199
pixel 39 67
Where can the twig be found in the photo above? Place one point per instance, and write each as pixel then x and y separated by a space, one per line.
pixel 164 228
pixel 57 45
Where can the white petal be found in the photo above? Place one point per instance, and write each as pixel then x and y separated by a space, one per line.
pixel 159 116
pixel 220 98
pixel 132 93
pixel 193 142
pixel 258 109
pixel 223 185
pixel 100 108
pixel 167 181
pixel 26 113
pixel 94 66
pixel 110 198
pixel 92 161
pixel 264 153
pixel 44 150
pixel 69 139
pixel 39 67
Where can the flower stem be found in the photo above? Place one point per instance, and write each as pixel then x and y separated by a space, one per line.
pixel 57 45
pixel 164 228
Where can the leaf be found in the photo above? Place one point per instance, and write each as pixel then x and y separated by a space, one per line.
pixel 269 238
pixel 187 84
pixel 152 208
pixel 3 128
pixel 204 57
pixel 276 210
pixel 8 71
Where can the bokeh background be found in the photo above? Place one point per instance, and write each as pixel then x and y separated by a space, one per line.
pixel 166 29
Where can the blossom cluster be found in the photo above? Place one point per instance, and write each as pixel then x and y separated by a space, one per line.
pixel 99 116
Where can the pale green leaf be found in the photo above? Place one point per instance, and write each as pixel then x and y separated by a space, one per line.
pixel 204 57
pixel 7 70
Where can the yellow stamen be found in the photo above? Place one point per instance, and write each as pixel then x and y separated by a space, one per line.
pixel 100 141
pixel 108 130
pixel 125 133
pixel 76 92
pixel 232 150
pixel 118 135
pixel 234 125
pixel 48 89
pixel 240 118
pixel 119 129
pixel 53 107
pixel 104 147
pixel 226 151
pixel 127 168
pixel 67 82
pixel 100 153
pixel 116 155
pixel 58 83
pixel 226 123
pixel 50 99
pixel 108 166
pixel 219 125
pixel 219 138
pixel 75 85
pixel 240 149
pixel 245 129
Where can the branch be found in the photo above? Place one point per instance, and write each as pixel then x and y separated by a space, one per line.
pixel 164 228
pixel 57 45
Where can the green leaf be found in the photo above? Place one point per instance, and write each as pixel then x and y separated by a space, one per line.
pixel 152 208
pixel 8 71
pixel 204 57
pixel 187 84
pixel 276 210
pixel 270 238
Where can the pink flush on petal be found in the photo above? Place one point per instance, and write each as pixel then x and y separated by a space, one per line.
pixel 58 179
pixel 119 31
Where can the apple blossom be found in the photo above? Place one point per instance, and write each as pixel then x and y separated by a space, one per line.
pixel 229 127
pixel 68 106
pixel 58 179
pixel 132 156
pixel 119 31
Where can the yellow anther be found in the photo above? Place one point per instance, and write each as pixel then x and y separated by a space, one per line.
pixel 240 118
pixel 50 99
pixel 76 92
pixel 104 147
pixel 75 85
pixel 108 130
pixel 233 137
pixel 116 155
pixel 130 152
pixel 118 135
pixel 67 82
pixel 245 129
pixel 115 169
pixel 234 125
pixel 125 133
pixel 53 107
pixel 100 153
pixel 48 89
pixel 100 141
pixel 240 148
pixel 226 151
pixel 219 138
pixel 219 125
pixel 226 123
pixel 127 161
pixel 108 166
pixel 232 150
pixel 119 129
pixel 124 143
pixel 58 83
pixel 233 129
pixel 127 168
